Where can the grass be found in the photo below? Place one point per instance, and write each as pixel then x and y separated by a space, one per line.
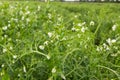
pixel 59 41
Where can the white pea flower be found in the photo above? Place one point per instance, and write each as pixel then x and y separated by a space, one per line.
pixel 14 56
pixel 48 57
pixel 18 75
pixel 79 24
pixel 8 21
pixel 77 29
pixel 107 48
pixel 2 65
pixel 114 27
pixel 41 47
pixel 39 8
pixel 57 36
pixel 98 49
pixel 13 61
pixel 60 19
pixel 73 29
pixel 2 73
pixel 4 50
pixel 46 43
pixel 49 21
pixel 11 6
pixel 78 35
pixel 114 55
pixel 113 40
pixel 9 39
pixel 17 40
pixel 46 0
pixel 83 23
pixel 24 69
pixel 88 38
pixel 2 38
pixel 11 48
pixel 58 15
pixel 49 16
pixel 68 45
pixel 92 23
pixel 8 25
pixel 101 48
pixel 21 12
pixel 109 41
pixel 53 70
pixel 64 38
pixel 28 20
pixel 63 76
pixel 26 7
pixel 23 17
pixel 86 46
pixel 12 18
pixel 102 0
pixel 73 23
pixel 86 57
pixel 50 78
pixel 5 28
pixel 104 45
pixel 51 41
pixel 28 12
pixel 5 36
pixel 50 34
pixel 115 47
pixel 16 20
pixel 75 16
pixel 83 29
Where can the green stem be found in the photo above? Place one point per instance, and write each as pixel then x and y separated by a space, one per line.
pixel 97 28
pixel 111 71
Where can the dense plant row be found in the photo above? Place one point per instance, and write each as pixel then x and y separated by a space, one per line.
pixel 59 41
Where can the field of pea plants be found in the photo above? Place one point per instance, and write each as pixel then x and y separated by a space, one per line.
pixel 59 41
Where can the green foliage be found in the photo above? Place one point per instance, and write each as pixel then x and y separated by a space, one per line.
pixel 59 41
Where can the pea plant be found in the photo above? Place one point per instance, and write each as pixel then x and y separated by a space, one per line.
pixel 53 41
